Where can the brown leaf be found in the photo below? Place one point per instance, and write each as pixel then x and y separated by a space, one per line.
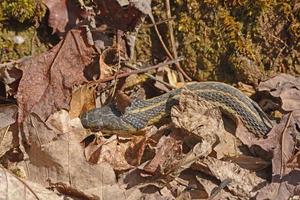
pixel 10 75
pixel 12 187
pixel 285 86
pixel 123 18
pixel 107 58
pixel 167 150
pixel 6 141
pixel 193 115
pixel 122 155
pixel 295 161
pixel 8 115
pixel 244 135
pixel 55 154
pixel 210 187
pixel 243 182
pixel 48 79
pixel 285 180
pixel 122 101
pixel 250 162
pixel 63 14
pixel 83 99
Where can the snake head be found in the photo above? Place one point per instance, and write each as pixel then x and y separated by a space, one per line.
pixel 105 119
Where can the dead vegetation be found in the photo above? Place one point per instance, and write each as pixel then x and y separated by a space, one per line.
pixel 111 52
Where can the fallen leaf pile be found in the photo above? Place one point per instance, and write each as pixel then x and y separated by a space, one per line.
pixel 45 153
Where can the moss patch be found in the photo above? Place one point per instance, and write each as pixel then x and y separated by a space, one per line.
pixel 21 10
pixel 234 40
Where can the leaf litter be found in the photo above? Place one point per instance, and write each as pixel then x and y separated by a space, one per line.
pixel 199 154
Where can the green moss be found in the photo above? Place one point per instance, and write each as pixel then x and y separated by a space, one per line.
pixel 148 47
pixel 19 35
pixel 35 41
pixel 21 10
pixel 237 40
pixel 231 41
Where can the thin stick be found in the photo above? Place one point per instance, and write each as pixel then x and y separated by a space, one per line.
pixel 158 23
pixel 121 75
pixel 166 49
pixel 171 30
pixel 152 77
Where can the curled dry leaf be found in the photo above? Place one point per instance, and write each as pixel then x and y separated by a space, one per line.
pixel 108 57
pixel 10 75
pixel 285 86
pixel 48 79
pixel 186 114
pixel 83 99
pixel 12 187
pixel 172 76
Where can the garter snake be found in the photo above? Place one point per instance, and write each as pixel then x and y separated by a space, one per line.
pixel 142 113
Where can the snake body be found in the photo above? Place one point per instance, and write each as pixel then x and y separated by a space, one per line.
pixel 142 113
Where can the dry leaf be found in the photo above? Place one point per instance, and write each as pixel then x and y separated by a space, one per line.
pixel 55 154
pixel 167 150
pixel 285 180
pixel 160 77
pixel 210 187
pixel 243 183
pixel 108 57
pixel 8 115
pixel 12 187
pixel 48 79
pixel 244 135
pixel 83 99
pixel 250 162
pixel 122 155
pixel 6 140
pixel 123 18
pixel 10 75
pixel 285 86
pixel 63 15
pixel 200 150
pixel 172 76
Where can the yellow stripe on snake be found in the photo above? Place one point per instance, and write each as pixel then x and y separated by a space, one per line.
pixel 142 113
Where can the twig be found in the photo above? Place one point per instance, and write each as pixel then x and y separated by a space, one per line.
pixel 7 64
pixel 121 75
pixel 119 35
pixel 158 23
pixel 152 77
pixel 165 47
pixel 171 30
pixel 217 190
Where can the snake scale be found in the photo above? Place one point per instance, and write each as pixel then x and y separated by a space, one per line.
pixel 142 113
